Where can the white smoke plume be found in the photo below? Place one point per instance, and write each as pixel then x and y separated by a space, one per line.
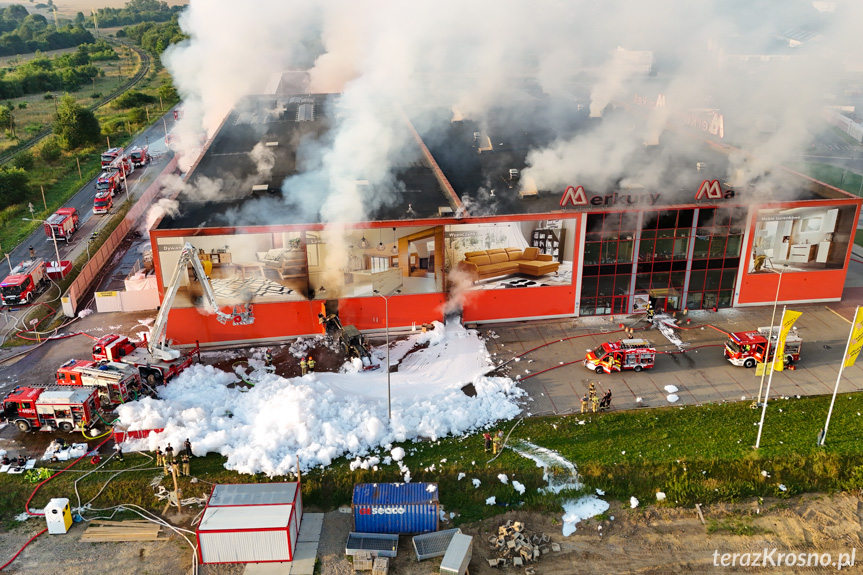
pixel 766 71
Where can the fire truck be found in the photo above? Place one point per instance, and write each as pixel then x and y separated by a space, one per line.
pixel 26 281
pixel 62 224
pixel 110 181
pixel 748 348
pixel 118 348
pixel 157 361
pixel 102 202
pixel 122 164
pixel 140 156
pixel 117 382
pixel 634 354
pixel 110 155
pixel 51 408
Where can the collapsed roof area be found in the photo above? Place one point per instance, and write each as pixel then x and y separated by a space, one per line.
pixel 268 164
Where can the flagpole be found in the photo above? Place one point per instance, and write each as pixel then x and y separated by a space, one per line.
pixel 841 369
pixel 769 380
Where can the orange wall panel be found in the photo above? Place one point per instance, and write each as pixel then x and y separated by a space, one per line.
pixel 796 286
pixel 485 305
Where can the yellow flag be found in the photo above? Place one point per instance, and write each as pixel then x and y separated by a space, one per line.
pixel 856 339
pixel 788 319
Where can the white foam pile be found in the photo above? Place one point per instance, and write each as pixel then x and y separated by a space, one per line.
pixel 666 324
pixel 322 416
pixel 580 509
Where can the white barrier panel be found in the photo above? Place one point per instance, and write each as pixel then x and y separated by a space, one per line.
pixel 140 300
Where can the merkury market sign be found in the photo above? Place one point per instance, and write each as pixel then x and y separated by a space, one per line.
pixel 575 195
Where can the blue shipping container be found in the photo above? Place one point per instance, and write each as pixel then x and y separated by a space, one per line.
pixel 395 507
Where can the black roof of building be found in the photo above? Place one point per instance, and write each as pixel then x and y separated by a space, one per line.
pixel 476 160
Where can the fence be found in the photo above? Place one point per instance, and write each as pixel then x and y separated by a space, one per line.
pixel 846 124
pixel 90 272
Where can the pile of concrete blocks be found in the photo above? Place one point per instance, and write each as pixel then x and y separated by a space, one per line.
pixel 363 561
pixel 381 566
pixel 516 546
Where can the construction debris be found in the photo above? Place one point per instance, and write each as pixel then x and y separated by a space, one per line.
pixel 381 566
pixel 363 561
pixel 515 546
pixel 101 531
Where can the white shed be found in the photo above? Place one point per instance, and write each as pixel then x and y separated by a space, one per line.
pixel 250 523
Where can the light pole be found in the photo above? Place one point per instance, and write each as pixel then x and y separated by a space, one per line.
pixel 770 337
pixel 53 237
pixel 387 318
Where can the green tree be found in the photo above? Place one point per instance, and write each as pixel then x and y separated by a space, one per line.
pixel 13 185
pixel 49 149
pixel 75 125
pixel 168 92
pixel 7 120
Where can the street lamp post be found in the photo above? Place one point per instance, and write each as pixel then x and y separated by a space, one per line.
pixel 53 237
pixel 387 319
pixel 770 336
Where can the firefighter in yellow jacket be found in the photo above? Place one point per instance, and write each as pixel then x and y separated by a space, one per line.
pixel 584 401
pixel 303 366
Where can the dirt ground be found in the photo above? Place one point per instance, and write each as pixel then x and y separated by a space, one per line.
pixel 648 540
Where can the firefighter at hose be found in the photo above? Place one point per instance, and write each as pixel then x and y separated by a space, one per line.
pixel 649 311
pixel 311 364
pixel 268 358
pixel 487 437
pixel 159 456
pixel 304 367
pixel 184 462
pixel 594 402
pixel 592 390
pixel 584 401
pixel 118 450
pixel 497 443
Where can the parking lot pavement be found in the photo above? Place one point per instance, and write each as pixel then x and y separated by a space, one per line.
pixel 701 375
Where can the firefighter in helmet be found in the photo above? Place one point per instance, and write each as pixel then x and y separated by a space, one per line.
pixel 311 363
pixel 268 358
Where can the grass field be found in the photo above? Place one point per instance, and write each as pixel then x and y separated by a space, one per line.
pixel 693 454
pixel 846 180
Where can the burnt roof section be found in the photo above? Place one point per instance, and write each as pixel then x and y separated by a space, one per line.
pixel 284 128
pixel 477 161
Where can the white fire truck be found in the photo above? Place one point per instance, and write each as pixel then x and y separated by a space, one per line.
pixel 634 354
pixel 117 382
pixel 51 408
pixel 748 348
pixel 26 281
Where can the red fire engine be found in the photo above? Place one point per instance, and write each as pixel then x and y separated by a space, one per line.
pixel 51 408
pixel 110 181
pixel 102 202
pixel 119 348
pixel 634 354
pixel 24 283
pixel 62 224
pixel 110 155
pixel 747 348
pixel 122 164
pixel 140 156
pixel 117 382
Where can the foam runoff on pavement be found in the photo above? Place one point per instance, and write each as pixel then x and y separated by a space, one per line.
pixel 322 416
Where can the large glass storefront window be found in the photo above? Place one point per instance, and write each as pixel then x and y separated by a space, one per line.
pixel 716 257
pixel 662 253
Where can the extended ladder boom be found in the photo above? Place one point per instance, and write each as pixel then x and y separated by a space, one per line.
pixel 157 345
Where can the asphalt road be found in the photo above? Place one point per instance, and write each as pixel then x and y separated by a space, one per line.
pixel 83 201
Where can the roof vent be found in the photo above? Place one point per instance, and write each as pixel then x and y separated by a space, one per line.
pixel 513 174
pixel 260 188
pixel 700 166
pixel 271 144
pixel 444 211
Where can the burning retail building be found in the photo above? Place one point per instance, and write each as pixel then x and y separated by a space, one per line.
pixel 464 218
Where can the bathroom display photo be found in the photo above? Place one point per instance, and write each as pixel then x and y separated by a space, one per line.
pixel 801 239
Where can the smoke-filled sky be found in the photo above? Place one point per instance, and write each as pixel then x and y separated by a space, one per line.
pixel 472 58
